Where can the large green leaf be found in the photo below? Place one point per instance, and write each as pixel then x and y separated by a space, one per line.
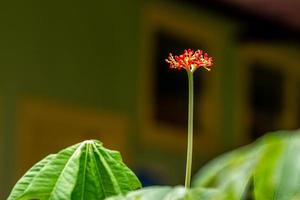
pixel 266 169
pixel 169 193
pixel 84 171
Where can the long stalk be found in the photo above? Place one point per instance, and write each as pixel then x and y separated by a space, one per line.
pixel 190 131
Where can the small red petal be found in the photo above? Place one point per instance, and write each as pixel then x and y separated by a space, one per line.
pixel 206 56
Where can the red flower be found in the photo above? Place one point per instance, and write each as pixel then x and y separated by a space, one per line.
pixel 190 60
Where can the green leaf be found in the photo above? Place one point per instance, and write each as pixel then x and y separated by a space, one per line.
pixel 25 181
pixel 206 194
pixel 169 193
pixel 280 178
pixel 83 171
pixel 266 169
pixel 231 172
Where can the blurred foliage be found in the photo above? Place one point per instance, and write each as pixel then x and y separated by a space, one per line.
pixel 169 193
pixel 267 169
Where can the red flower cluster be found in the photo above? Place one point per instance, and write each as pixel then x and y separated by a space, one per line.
pixel 190 60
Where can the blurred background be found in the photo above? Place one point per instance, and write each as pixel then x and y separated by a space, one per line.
pixel 73 70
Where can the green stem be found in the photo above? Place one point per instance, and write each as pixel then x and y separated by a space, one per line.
pixel 190 131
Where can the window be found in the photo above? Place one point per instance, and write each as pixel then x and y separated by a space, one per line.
pixel 266 96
